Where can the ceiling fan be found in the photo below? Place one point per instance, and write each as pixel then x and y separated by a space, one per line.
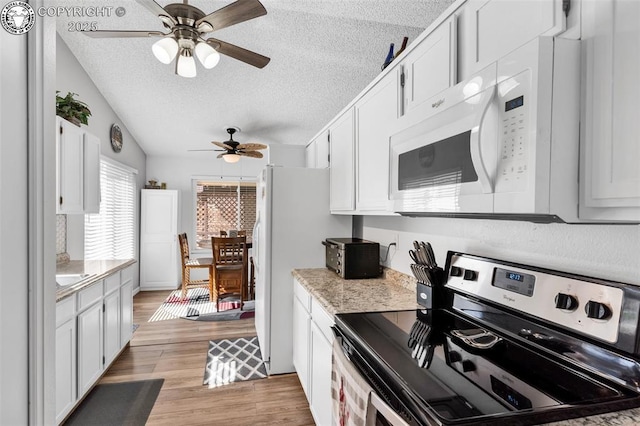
pixel 232 150
pixel 187 27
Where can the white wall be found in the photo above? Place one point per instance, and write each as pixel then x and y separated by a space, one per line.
pixel 603 251
pixel 14 272
pixel 71 77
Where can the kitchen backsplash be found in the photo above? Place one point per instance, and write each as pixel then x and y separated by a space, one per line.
pixel 61 238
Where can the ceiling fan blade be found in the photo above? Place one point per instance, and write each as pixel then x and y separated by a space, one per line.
pixel 114 34
pixel 244 55
pixel 251 146
pixel 234 13
pixel 198 150
pixel 157 10
pixel 221 155
pixel 222 145
pixel 252 154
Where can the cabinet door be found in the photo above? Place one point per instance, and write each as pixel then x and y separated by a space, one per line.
pixel 611 178
pixel 126 310
pixel 65 368
pixel 301 330
pixel 490 29
pixel 322 150
pixel 375 114
pixel 111 326
pixel 70 168
pixel 158 240
pixel 321 353
pixel 90 347
pixel 342 177
pixel 430 68
pixel 91 167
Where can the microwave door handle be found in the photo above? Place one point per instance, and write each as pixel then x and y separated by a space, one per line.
pixel 476 151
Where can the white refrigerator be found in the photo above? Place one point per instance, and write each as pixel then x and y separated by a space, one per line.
pixel 292 220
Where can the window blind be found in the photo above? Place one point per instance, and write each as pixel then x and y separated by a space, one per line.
pixel 110 234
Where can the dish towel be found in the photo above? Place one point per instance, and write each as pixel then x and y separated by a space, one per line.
pixel 350 393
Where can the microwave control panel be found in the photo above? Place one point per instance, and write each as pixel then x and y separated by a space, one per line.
pixel 513 135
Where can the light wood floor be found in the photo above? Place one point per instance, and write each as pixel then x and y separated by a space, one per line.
pixel 176 350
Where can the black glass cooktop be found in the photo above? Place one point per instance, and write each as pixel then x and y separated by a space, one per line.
pixel 437 365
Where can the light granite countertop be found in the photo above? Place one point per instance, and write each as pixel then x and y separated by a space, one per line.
pixel 340 296
pixel 396 291
pixel 97 269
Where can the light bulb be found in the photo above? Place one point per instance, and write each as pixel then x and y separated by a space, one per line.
pixel 231 158
pixel 208 56
pixel 165 49
pixel 186 65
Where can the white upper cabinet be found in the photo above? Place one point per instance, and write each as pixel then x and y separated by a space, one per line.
pixel 610 176
pixel 376 112
pixel 431 66
pixel 317 152
pixel 489 29
pixel 78 169
pixel 342 173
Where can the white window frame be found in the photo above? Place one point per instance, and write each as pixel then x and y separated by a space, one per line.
pixel 194 204
pixel 135 193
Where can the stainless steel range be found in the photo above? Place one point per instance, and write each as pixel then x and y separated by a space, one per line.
pixel 507 344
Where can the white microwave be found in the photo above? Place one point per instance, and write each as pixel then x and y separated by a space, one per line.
pixel 504 143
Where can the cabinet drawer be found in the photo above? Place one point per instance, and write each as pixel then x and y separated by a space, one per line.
pixel 322 319
pixel 112 283
pixel 65 310
pixel 89 295
pixel 302 294
pixel 126 275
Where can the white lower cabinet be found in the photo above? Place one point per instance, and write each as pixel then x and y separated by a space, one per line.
pixel 90 335
pixel 312 352
pixel 65 358
pixel 92 327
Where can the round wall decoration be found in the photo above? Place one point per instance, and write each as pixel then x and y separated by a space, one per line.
pixel 116 138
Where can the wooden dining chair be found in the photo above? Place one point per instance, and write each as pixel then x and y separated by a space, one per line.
pixel 197 263
pixel 229 267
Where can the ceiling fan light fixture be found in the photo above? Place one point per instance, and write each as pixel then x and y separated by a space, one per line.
pixel 186 65
pixel 165 49
pixel 208 56
pixel 231 158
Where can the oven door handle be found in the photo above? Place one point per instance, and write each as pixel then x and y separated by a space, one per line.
pixel 476 142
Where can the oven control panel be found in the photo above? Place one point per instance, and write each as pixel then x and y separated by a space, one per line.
pixel 586 307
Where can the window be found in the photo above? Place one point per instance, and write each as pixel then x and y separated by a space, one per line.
pixel 110 234
pixel 221 206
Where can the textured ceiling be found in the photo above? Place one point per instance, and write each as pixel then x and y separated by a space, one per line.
pixel 323 53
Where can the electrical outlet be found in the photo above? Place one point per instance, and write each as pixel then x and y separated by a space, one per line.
pixel 396 239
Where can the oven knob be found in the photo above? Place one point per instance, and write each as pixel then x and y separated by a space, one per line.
pixel 454 357
pixel 338 254
pixel 597 310
pixel 468 366
pixel 455 271
pixel 566 302
pixel 470 275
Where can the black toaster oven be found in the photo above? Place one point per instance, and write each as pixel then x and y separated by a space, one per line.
pixel 353 258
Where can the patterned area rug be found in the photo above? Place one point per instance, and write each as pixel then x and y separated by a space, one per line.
pixel 231 361
pixel 196 303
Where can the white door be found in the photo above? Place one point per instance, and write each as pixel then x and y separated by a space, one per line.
pixel 90 347
pixel 65 368
pixel 126 311
pixel 301 330
pixel 342 176
pixel 111 326
pixel 70 168
pixel 611 176
pixel 375 114
pixel 321 353
pixel 159 256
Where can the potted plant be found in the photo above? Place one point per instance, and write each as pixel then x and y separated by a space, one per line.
pixel 72 109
